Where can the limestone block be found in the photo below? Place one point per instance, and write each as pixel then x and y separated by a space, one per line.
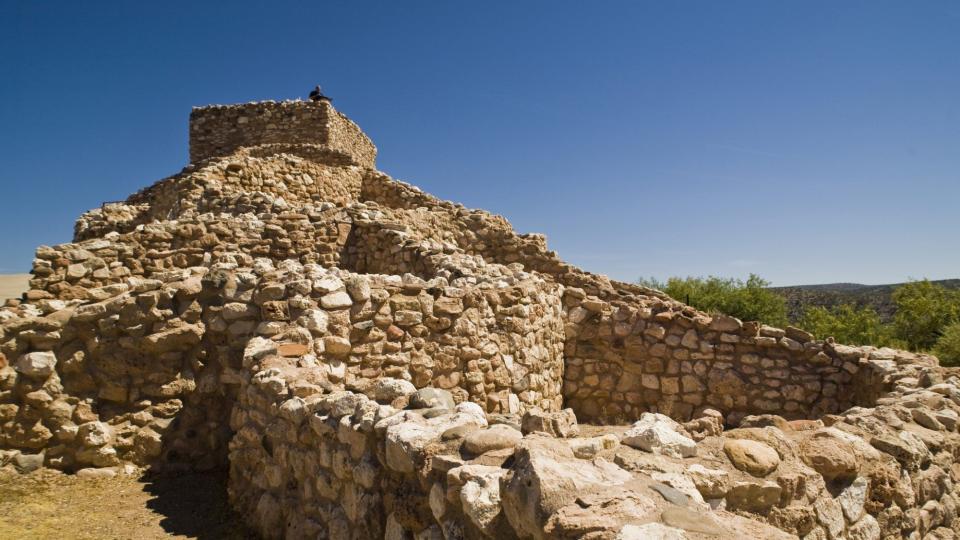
pixel 659 434
pixel 37 365
pixel 495 437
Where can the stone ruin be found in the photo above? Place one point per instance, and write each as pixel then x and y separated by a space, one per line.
pixel 372 362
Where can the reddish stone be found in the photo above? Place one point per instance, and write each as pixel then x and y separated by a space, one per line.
pixel 292 349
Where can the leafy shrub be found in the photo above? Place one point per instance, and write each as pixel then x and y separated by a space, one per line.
pixel 748 300
pixel 848 324
pixel 947 348
pixel 924 310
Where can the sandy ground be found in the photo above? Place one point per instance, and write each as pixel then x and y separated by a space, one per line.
pixel 13 285
pixel 47 505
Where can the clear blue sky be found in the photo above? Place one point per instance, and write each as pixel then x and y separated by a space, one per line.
pixel 809 142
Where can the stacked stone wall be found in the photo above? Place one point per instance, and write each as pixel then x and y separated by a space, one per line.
pixel 629 357
pixel 152 363
pixel 217 131
pixel 241 184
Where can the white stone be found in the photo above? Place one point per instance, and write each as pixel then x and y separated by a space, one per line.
pixel 480 494
pixel 327 284
pixel 658 434
pixel 389 389
pixel 590 447
pixel 94 472
pixel 853 498
pixel 94 433
pixel 472 410
pixel 830 515
pixel 337 300
pixel 438 501
pixel 37 365
pixel 712 483
pixel 315 320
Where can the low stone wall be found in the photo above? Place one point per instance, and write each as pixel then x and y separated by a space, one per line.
pixel 637 354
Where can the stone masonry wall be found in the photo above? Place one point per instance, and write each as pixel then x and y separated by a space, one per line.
pixel 151 364
pixel 219 130
pixel 372 361
pixel 628 357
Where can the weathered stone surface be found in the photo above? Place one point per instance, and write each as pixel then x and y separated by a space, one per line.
pixel 904 446
pixel 650 531
pixel 590 447
pixel 493 438
pixel 428 398
pixel 830 515
pixel 556 424
pixel 865 529
pixel 388 389
pixel 658 434
pixel 37 365
pixel 830 455
pixel 853 497
pixel 691 521
pixel 480 494
pixel 712 483
pixel 753 457
pixel 546 477
pixel 756 497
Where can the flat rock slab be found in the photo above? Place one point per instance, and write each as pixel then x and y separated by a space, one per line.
pixel 292 349
pixel 671 495
pixel 688 520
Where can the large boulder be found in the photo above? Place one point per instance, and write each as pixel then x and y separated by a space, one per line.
pixel 409 436
pixel 906 447
pixel 830 454
pixel 545 477
pixel 600 514
pixel 659 434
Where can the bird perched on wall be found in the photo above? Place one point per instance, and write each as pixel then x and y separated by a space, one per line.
pixel 317 95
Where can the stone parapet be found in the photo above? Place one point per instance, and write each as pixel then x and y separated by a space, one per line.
pixel 220 130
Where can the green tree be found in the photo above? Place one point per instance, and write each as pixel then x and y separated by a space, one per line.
pixel 924 310
pixel 947 348
pixel 847 324
pixel 749 300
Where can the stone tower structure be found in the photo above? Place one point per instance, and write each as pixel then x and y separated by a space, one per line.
pixel 370 361
pixel 270 126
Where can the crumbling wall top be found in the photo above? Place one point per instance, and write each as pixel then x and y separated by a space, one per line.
pixel 219 130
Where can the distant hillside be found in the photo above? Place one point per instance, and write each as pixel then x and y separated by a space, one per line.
pixel 879 297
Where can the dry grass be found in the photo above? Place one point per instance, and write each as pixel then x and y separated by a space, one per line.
pixel 49 505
